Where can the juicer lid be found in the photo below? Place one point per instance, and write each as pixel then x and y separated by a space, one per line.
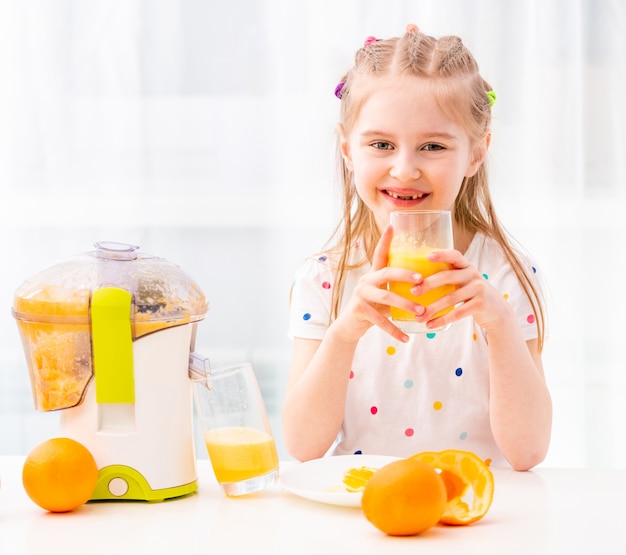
pixel 163 294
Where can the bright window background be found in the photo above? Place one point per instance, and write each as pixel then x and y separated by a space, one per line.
pixel 203 131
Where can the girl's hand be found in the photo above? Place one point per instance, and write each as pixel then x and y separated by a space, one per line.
pixel 474 294
pixel 370 301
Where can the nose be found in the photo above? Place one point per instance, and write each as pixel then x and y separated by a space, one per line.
pixel 405 167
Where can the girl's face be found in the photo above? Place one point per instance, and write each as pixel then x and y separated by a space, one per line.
pixel 406 153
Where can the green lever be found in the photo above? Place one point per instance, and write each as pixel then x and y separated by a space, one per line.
pixel 112 343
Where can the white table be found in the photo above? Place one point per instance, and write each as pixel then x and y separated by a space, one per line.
pixel 546 511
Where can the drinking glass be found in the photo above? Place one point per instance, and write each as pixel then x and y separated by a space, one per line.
pixel 236 428
pixel 416 233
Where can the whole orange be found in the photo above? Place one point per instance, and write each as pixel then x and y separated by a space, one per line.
pixel 404 498
pixel 60 474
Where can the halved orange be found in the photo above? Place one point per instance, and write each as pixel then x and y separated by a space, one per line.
pixel 469 484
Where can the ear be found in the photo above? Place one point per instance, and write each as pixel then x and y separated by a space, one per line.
pixel 479 154
pixel 344 146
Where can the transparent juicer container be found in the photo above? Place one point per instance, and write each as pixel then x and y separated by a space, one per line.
pixel 53 314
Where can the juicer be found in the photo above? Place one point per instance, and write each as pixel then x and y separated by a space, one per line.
pixel 108 337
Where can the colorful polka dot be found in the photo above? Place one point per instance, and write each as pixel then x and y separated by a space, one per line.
pixel 326 285
pixel 358 452
pixel 474 337
pixel 374 410
pixel 459 371
pixel 391 350
pixel 431 335
pixel 408 384
pixel 485 276
pixel 322 258
pixel 409 432
pixel 531 319
pixel 463 436
pixel 351 374
pixel 306 316
pixel 437 405
pixel 506 296
pixel 534 270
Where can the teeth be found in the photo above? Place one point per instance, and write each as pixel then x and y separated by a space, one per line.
pixel 405 197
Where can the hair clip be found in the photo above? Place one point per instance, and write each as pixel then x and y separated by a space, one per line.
pixel 491 95
pixel 369 40
pixel 339 89
pixel 412 28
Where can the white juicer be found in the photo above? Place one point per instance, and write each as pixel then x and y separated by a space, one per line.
pixel 108 337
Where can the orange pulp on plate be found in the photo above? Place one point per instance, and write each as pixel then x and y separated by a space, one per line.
pixel 355 479
pixel 60 474
pixel 468 481
pixel 404 498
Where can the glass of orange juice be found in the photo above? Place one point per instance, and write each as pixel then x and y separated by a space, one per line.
pixel 416 233
pixel 236 429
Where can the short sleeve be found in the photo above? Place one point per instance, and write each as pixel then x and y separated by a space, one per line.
pixel 311 299
pixel 508 283
pixel 490 260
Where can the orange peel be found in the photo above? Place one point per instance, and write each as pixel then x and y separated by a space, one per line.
pixel 469 484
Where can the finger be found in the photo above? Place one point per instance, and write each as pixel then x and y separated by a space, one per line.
pixel 460 311
pixel 465 300
pixel 387 326
pixel 395 332
pixel 391 273
pixel 447 302
pixel 452 257
pixel 457 277
pixel 441 321
pixel 380 319
pixel 386 298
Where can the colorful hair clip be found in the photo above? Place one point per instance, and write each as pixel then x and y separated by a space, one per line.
pixel 369 40
pixel 412 28
pixel 339 89
pixel 491 95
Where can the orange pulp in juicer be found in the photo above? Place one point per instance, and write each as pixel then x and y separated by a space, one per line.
pixel 57 344
pixel 55 329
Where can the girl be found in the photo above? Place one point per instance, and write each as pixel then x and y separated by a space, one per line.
pixel 414 131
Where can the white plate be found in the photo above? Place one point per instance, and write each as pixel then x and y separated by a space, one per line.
pixel 322 479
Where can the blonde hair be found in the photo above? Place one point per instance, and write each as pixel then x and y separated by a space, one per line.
pixel 462 92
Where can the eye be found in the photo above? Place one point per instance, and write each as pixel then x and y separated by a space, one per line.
pixel 382 145
pixel 431 147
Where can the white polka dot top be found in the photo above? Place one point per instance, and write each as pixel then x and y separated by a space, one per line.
pixel 427 395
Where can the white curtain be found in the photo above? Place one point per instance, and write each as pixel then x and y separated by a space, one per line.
pixel 203 132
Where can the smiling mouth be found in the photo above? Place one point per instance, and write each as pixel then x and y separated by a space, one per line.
pixel 414 196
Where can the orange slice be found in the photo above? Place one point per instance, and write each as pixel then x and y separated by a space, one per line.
pixel 469 484
pixel 356 478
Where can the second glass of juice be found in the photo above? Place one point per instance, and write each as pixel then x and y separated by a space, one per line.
pixel 416 233
pixel 236 429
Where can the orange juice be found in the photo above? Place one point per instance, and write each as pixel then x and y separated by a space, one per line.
pixel 240 453
pixel 55 328
pixel 416 261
